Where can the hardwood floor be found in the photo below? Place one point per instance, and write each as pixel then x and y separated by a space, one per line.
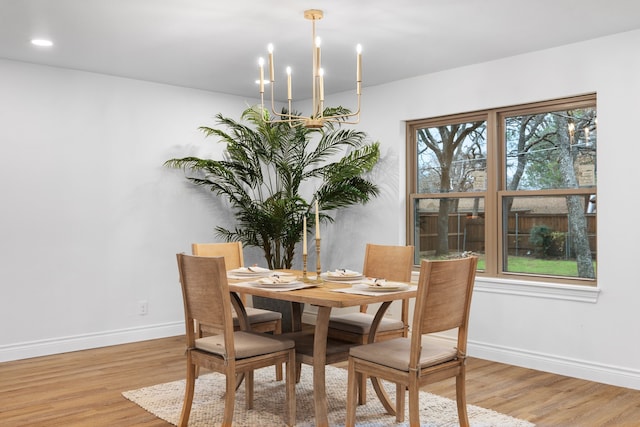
pixel 83 389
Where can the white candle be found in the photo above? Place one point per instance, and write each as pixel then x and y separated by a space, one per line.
pixel 289 84
pixel 358 68
pixel 317 221
pixel 271 73
pixel 304 235
pixel 261 67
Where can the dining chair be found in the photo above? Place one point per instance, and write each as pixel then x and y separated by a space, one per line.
pixel 393 263
pixel 206 298
pixel 443 302
pixel 259 319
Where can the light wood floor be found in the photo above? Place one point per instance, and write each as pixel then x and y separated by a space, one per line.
pixel 83 389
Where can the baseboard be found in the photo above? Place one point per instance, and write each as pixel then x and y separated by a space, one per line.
pixel 576 368
pixel 26 350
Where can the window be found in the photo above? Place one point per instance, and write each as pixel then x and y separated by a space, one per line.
pixel 515 185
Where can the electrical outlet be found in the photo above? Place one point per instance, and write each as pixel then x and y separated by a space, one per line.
pixel 143 308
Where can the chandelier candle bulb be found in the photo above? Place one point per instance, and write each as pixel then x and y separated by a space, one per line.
pixel 271 73
pixel 358 68
pixel 261 67
pixel 289 84
pixel 318 60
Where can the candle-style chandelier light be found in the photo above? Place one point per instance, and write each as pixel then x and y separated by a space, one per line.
pixel 317 119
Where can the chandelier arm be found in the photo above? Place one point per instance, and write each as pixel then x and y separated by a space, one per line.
pixel 317 117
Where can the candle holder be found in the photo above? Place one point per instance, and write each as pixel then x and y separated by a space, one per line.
pixel 318 268
pixel 304 268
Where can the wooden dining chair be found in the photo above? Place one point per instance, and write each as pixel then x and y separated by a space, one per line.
pixel 393 263
pixel 259 319
pixel 443 302
pixel 206 297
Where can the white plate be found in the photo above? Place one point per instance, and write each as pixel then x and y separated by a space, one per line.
pixel 350 275
pixel 292 284
pixel 250 271
pixel 387 287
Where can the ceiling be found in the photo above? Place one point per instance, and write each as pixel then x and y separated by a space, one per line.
pixel 214 44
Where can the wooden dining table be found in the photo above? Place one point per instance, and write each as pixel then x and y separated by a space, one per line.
pixel 317 349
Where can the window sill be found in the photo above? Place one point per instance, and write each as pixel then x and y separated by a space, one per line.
pixel 586 294
pixel 547 290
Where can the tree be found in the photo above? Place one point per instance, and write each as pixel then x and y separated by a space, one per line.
pixel 545 152
pixel 264 167
pixel 453 148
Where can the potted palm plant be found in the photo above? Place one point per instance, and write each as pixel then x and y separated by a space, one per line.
pixel 265 165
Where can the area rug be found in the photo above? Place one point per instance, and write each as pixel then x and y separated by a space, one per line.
pixel 165 401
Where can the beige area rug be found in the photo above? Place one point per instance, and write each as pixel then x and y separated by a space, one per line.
pixel 165 401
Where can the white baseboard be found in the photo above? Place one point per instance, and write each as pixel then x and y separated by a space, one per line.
pixel 26 350
pixel 598 372
pixel 576 368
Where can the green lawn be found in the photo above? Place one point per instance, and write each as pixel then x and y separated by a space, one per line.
pixel 530 265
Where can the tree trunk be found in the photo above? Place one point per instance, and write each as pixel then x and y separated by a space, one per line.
pixel 575 209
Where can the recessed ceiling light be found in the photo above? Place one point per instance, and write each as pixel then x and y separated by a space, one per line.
pixel 42 42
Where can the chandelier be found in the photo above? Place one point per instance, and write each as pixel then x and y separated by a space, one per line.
pixel 316 119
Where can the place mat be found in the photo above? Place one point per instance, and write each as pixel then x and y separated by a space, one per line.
pixel 165 402
pixel 287 287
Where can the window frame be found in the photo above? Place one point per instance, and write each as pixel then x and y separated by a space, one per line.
pixel 495 190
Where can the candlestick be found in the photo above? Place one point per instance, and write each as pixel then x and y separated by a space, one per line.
pixel 318 268
pixel 304 268
pixel 317 221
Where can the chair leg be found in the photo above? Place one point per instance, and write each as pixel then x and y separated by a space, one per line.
pixel 353 379
pixel 414 403
pixel 229 400
pixel 248 386
pixel 291 387
pixel 298 371
pixel 400 395
pixel 461 399
pixel 362 389
pixel 188 393
pixel 278 331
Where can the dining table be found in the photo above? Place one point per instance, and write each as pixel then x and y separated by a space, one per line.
pixel 317 349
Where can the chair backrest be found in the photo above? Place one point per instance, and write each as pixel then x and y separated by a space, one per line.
pixel 231 251
pixel 388 262
pixel 205 293
pixel 443 301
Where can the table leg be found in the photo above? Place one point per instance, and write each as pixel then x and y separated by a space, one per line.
pixel 241 312
pixel 319 361
pixel 377 386
pixel 296 316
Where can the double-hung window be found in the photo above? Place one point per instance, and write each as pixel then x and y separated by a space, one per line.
pixel 514 185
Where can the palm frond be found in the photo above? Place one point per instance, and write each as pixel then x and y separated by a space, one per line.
pixel 265 165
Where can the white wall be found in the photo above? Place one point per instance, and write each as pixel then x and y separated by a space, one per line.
pixel 91 221
pixel 582 334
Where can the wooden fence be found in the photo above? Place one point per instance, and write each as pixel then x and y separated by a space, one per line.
pixel 466 233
